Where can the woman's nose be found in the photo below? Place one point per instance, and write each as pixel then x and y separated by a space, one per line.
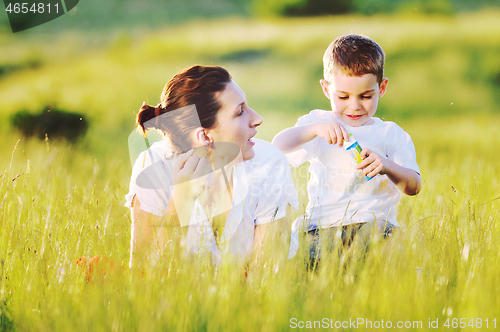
pixel 256 119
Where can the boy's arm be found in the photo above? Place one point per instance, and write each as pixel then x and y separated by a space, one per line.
pixel 291 139
pixel 405 179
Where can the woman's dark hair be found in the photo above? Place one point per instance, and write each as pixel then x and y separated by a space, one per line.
pixel 194 88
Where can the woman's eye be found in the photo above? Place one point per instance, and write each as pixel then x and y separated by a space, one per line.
pixel 241 111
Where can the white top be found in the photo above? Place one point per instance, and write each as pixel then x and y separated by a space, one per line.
pixel 338 193
pixel 262 190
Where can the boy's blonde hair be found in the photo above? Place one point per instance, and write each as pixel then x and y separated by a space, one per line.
pixel 354 55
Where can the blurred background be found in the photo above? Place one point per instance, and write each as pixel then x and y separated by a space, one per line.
pixel 102 59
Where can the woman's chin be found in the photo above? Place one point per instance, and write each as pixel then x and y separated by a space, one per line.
pixel 248 153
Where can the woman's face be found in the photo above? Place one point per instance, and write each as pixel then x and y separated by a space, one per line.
pixel 236 121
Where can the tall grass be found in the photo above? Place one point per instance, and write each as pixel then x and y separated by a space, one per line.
pixel 443 264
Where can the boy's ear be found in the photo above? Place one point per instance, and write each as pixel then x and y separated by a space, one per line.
pixel 383 87
pixel 324 87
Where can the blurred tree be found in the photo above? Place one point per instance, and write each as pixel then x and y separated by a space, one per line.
pixel 366 7
pixel 319 7
pixel 53 123
pixel 273 7
pixel 369 7
pixel 443 7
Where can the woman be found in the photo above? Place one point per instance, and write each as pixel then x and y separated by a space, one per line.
pixel 209 174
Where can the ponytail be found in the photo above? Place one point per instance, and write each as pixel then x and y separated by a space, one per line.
pixel 147 113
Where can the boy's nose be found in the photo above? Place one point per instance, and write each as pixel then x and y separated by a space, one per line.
pixel 354 104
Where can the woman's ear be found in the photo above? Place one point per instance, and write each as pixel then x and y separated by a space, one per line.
pixel 324 87
pixel 201 136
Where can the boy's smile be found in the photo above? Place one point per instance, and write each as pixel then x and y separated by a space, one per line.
pixel 354 99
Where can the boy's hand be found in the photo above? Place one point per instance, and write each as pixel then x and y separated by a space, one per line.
pixel 333 132
pixel 405 179
pixel 372 163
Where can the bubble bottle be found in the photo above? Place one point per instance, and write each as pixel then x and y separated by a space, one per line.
pixel 352 146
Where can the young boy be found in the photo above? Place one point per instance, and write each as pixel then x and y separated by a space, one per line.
pixel 341 198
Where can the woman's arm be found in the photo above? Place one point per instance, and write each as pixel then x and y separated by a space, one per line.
pixel 149 231
pixel 258 240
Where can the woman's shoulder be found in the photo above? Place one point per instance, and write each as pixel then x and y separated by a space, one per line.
pixel 158 152
pixel 162 148
pixel 270 181
pixel 269 162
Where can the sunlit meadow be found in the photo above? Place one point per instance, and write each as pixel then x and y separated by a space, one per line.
pixel 60 201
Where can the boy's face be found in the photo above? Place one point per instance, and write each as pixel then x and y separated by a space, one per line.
pixel 354 99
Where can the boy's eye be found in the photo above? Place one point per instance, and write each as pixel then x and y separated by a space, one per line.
pixel 366 97
pixel 343 97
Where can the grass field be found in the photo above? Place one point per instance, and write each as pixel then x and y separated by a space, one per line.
pixel 59 201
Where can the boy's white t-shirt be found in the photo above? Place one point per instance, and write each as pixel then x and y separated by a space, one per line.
pixel 339 194
pixel 262 190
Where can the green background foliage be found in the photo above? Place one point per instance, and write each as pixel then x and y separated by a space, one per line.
pixel 60 201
